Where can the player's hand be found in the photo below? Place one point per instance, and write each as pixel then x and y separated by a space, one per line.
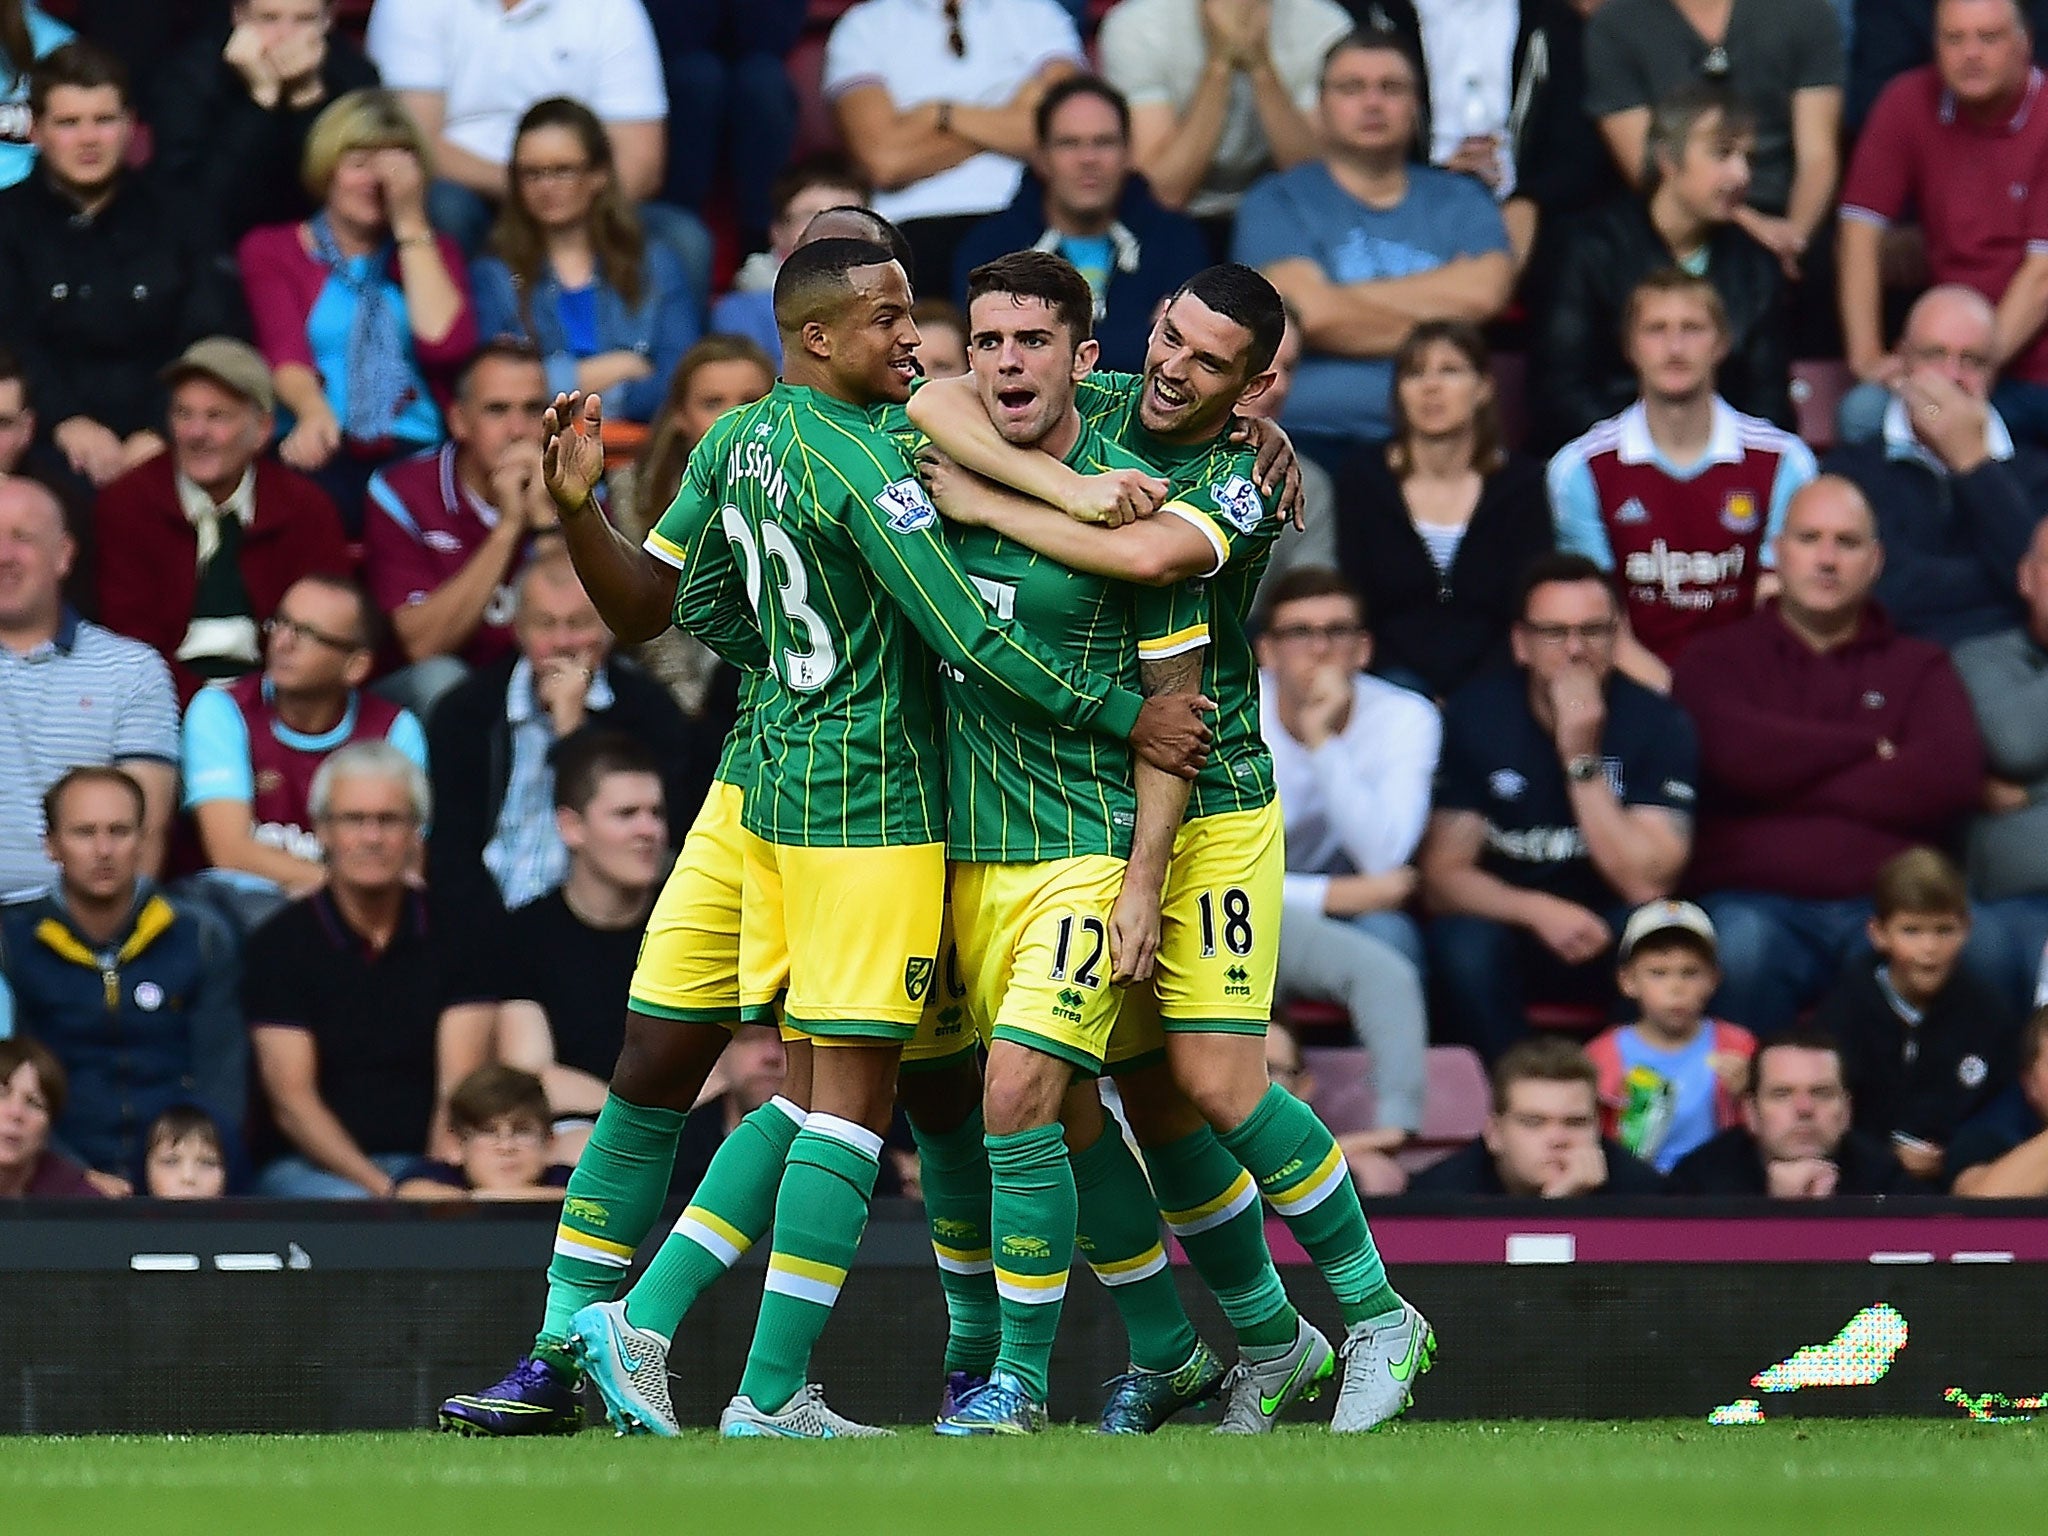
pixel 572 452
pixel 1170 733
pixel 91 449
pixel 945 482
pixel 1133 931
pixel 404 182
pixel 1947 419
pixel 1116 497
pixel 112 1185
pixel 245 55
pixel 296 57
pixel 1922 1159
pixel 1276 467
pixel 1582 1170
pixel 1569 931
pixel 1580 709
pixel 1801 1178
pixel 1330 693
pixel 312 442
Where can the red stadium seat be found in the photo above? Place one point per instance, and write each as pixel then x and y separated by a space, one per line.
pixel 1818 385
pixel 1511 394
pixel 1454 1110
pixel 1567 1018
pixel 1316 1021
pixel 816 129
pixel 1343 1088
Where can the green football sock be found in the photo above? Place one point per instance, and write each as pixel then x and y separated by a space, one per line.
pixel 819 1216
pixel 1212 1206
pixel 1032 1220
pixel 1119 1232
pixel 954 1172
pixel 727 1213
pixel 1301 1170
pixel 612 1200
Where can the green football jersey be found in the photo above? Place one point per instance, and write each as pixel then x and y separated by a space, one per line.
pixel 1020 789
pixel 1214 487
pixel 838 551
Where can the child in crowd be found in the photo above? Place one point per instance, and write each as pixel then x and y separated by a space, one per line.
pixel 499 1115
pixel 1672 1080
pixel 1925 1044
pixel 185 1158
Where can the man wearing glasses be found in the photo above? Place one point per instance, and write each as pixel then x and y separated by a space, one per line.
pixel 250 750
pixel 1564 797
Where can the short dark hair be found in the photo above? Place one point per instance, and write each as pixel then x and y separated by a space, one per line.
pixel 1044 275
pixel 815 279
pixel 826 168
pixel 11 372
pixel 1241 293
pixel 1558 567
pixel 1674 280
pixel 1302 583
pixel 90 773
pixel 1066 91
pixel 180 1121
pixel 369 622
pixel 880 232
pixel 1372 40
pixel 1920 880
pixel 499 349
pixel 81 66
pixel 1543 1059
pixel 1801 1037
pixel 1675 114
pixel 20 1050
pixel 494 1090
pixel 583 762
pixel 939 312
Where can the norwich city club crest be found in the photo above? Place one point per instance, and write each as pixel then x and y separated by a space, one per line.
pixel 917 975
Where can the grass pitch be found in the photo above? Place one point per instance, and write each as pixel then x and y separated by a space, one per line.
pixel 1646 1479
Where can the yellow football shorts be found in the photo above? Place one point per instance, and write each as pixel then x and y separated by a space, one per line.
pixel 854 933
pixel 689 965
pixel 1219 936
pixel 946 1034
pixel 1034 952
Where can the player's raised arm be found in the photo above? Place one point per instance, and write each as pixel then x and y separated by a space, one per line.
pixel 633 591
pixel 1158 552
pixel 950 412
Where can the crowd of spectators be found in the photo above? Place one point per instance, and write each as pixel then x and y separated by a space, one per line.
pixel 1655 694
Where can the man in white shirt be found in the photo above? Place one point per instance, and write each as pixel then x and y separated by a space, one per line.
pixel 1353 756
pixel 936 99
pixel 469 69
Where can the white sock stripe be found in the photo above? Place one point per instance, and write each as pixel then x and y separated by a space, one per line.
pixel 965 1266
pixel 1246 1197
pixel 1031 1295
pixel 720 1248
pixel 858 1137
pixel 1308 1199
pixel 569 1248
pixel 802 1287
pixel 1132 1276
pixel 797 1116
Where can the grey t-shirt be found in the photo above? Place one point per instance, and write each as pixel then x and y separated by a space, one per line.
pixel 2006 676
pixel 1638 51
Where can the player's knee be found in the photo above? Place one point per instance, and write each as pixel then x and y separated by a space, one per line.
pixel 940 1102
pixel 1023 1092
pixel 1159 1113
pixel 662 1064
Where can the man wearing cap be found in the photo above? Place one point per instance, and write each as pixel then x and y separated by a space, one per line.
pixel 197 546
pixel 1673 1078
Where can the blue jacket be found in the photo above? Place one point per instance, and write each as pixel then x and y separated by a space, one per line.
pixel 661 328
pixel 1154 251
pixel 149 1021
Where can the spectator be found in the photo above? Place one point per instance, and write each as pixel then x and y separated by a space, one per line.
pixel 71 693
pixel 31 1098
pixel 468 72
pixel 1364 245
pixel 447 530
pixel 2006 675
pixel 1795 1141
pixel 22 454
pixel 1700 139
pixel 27 32
pixel 1925 1045
pixel 1562 167
pixel 102 282
pixel 1564 797
pixel 1366 1152
pixel 731 106
pixel 198 545
pixel 563 961
pixel 936 102
pixel 231 112
pixel 493 739
pixel 1221 94
pixel 362 310
pixel 1893 37
pixel 1956 501
pixel 1352 759
pixel 1959 142
pixel 1542 1140
pixel 1315 542
pixel 250 751
pixel 798 195
pixel 1782 57
pixel 1083 200
pixel 1469 55
pixel 184 1156
pixel 1829 742
pixel 2002 1154
pixel 133 989
pixel 1680 497
pixel 1671 1080
pixel 942 338
pixel 498 1116
pixel 1436 526
pixel 572 272
pixel 346 989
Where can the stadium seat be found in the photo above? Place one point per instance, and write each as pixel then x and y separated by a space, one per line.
pixel 816 130
pixel 1454 1110
pixel 1818 385
pixel 1567 1018
pixel 1511 394
pixel 1344 1089
pixel 1317 1021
